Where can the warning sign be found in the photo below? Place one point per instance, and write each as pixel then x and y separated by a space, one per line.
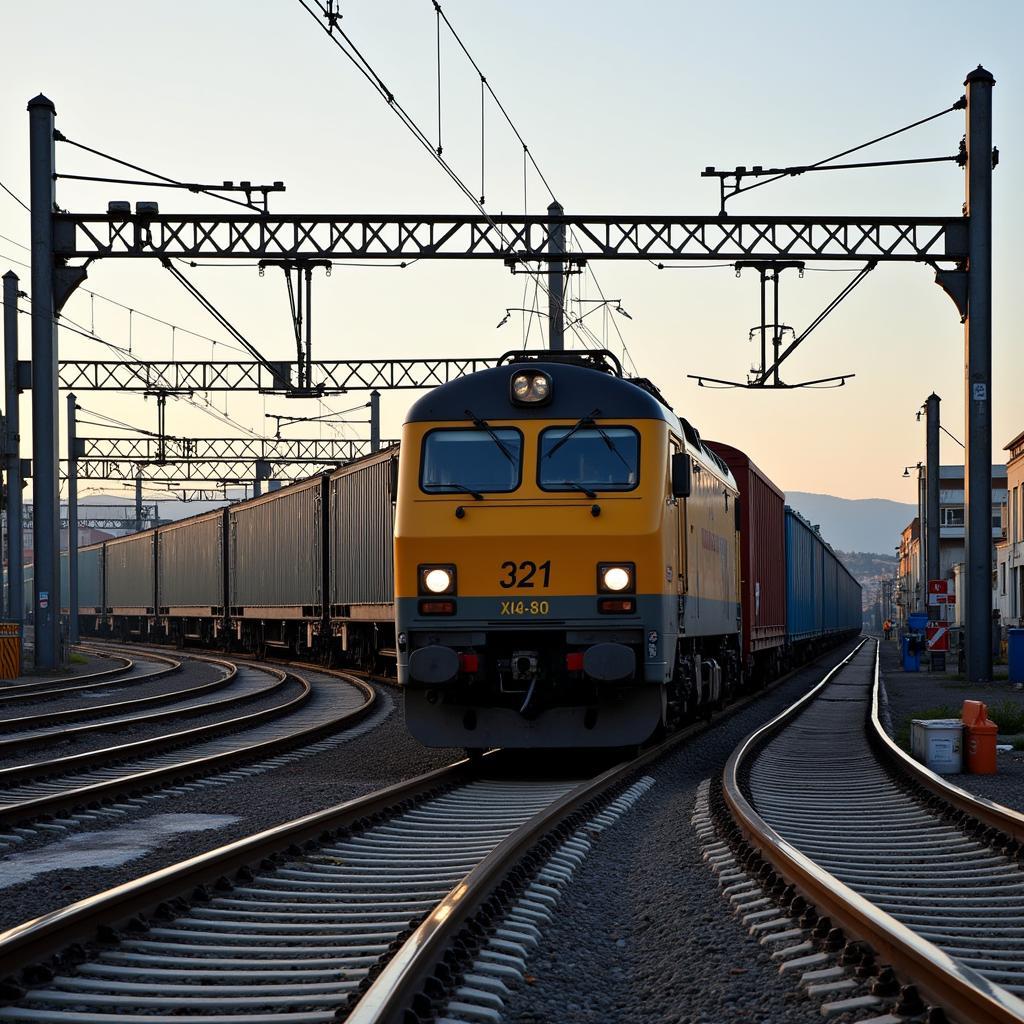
pixel 940 592
pixel 938 638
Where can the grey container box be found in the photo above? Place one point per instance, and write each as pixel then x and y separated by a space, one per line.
pixel 190 564
pixel 938 744
pixel 90 580
pixel 274 546
pixel 362 533
pixel 131 583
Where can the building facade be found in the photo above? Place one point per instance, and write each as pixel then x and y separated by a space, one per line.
pixel 1008 580
pixel 910 587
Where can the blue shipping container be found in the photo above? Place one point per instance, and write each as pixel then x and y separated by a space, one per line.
pixel 822 597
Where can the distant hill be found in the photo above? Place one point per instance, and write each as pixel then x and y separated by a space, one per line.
pixel 855 524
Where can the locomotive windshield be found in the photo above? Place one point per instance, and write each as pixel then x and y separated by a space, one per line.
pixel 468 461
pixel 594 457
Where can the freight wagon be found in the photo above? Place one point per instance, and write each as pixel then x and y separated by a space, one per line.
pixel 762 565
pixel 823 600
pixel 254 574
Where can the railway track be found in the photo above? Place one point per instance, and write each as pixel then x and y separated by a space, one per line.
pixel 78 785
pixel 126 674
pixel 51 728
pixel 928 876
pixel 426 895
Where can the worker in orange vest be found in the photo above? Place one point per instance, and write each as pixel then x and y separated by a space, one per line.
pixel 887 627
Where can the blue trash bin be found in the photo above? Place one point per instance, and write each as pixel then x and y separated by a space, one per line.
pixel 1015 653
pixel 911 658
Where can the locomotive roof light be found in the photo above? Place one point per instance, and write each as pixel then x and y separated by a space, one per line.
pixel 530 387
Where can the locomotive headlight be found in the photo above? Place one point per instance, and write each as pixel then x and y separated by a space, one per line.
pixel 530 387
pixel 616 578
pixel 437 579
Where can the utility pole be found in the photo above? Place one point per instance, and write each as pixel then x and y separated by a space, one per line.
pixel 72 521
pixel 12 451
pixel 556 281
pixel 374 421
pixel 978 378
pixel 922 519
pixel 932 474
pixel 45 427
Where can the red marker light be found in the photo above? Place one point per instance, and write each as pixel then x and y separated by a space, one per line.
pixel 469 663
pixel 574 661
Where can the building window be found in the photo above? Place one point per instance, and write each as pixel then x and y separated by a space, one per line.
pixel 951 516
pixel 1002 578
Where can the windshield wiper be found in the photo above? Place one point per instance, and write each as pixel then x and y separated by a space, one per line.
pixel 484 425
pixel 583 421
pixel 575 485
pixel 477 496
pixel 606 437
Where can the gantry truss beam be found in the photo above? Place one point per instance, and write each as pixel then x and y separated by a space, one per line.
pixel 182 471
pixel 212 459
pixel 219 449
pixel 101 517
pixel 202 375
pixel 509 237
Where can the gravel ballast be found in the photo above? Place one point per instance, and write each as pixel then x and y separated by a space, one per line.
pixel 372 754
pixel 641 933
pixel 910 694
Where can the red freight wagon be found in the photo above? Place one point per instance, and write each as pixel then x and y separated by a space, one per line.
pixel 762 563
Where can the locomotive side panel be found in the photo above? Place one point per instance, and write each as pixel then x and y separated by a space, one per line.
pixel 711 605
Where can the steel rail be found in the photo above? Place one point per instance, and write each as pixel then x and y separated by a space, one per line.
pixel 387 1000
pixel 17 742
pixel 33 941
pixel 58 687
pixel 994 815
pixel 155 699
pixel 962 992
pixel 155 778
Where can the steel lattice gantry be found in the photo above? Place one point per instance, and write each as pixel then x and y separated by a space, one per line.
pixel 506 237
pixel 185 377
pixel 962 243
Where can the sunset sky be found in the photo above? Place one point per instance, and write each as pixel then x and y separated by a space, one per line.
pixel 622 106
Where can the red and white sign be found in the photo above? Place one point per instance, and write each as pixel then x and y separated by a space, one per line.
pixel 938 638
pixel 940 593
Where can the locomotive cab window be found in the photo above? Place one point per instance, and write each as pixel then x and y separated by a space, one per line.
pixel 459 460
pixel 591 458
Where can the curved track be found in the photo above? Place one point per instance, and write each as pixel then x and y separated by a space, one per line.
pixel 836 808
pixel 88 779
pixel 37 729
pixel 132 671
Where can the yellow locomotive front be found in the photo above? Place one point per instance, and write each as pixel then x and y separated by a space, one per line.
pixel 538 558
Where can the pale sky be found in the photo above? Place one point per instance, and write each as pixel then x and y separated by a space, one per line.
pixel 622 106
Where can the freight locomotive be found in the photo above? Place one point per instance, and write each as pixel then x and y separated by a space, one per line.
pixel 556 560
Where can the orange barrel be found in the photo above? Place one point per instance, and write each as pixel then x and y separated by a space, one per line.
pixel 980 738
pixel 10 650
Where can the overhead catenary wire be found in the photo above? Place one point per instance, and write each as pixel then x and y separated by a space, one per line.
pixel 791 172
pixel 161 177
pixel 15 197
pixel 344 43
